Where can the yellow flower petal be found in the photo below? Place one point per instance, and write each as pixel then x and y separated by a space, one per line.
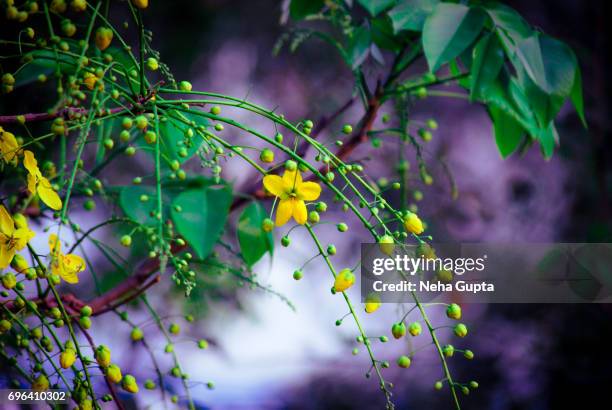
pixel 300 214
pixel 9 148
pixel 48 195
pixel 6 222
pixel 21 237
pixel 275 185
pixel 292 179
pixel 6 255
pixel 54 244
pixel 30 163
pixel 309 191
pixel 284 211
pixel 32 183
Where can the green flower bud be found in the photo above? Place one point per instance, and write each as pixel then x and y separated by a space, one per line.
pixel 331 249
pixel 415 329
pixel 267 225
pixel 126 240
pixel 460 330
pixel 149 384
pixel 85 322
pixel 398 330
pixel 438 385
pixel 185 86
pixel 89 205
pixel 468 354
pixel 285 241
pixel 5 326
pixel 313 217
pixel 321 207
pixel 150 137
pixel 215 110
pixel 86 311
pixel 9 281
pixel 347 129
pixel 41 383
pixel 403 362
pixel 152 64
pixel 203 344
pixel 174 328
pixel 298 274
pixel 141 122
pixel 169 348
pixel 19 263
pixel 308 124
pixel 124 136
pixel 136 334
pixel 278 137
pixel 113 373
pixel 473 384
pixel 290 165
pixel 219 127
pixel 267 156
pixel 127 123
pixel 432 124
pixel 342 227
pixel 448 350
pixel 103 356
pixel 109 143
pixel 453 311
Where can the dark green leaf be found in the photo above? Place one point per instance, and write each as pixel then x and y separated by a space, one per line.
pixel 383 35
pixel 508 131
pixel 488 60
pixel 173 135
pixel 374 7
pixel 359 46
pixel 508 22
pixel 576 96
pixel 43 62
pixel 548 139
pixel 202 217
pixel 254 241
pixel 302 8
pixel 550 64
pixel 448 31
pixel 411 14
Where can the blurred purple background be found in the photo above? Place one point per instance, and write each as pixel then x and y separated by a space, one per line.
pixel 265 356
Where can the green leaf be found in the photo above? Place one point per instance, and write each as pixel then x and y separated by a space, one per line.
pixel 448 31
pixel 43 62
pixel 133 207
pixel 576 96
pixel 298 9
pixel 254 241
pixel 508 132
pixel 202 216
pixel 508 22
pixel 411 14
pixel 548 139
pixel 550 64
pixel 359 46
pixel 383 35
pixel 173 135
pixel 487 62
pixel 374 7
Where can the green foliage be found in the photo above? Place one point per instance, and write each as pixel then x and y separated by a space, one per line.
pixel 490 50
pixel 202 216
pixel 254 241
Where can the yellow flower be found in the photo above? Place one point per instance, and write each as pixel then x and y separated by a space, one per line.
pixel 40 184
pixel 67 358
pixel 66 266
pixel 413 224
pixel 11 239
pixel 9 148
pixel 292 192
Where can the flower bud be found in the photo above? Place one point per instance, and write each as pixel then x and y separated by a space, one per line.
pixel 149 384
pixel 413 224
pixel 290 165
pixel 5 326
pixel 113 373
pixel 85 322
pixel 372 303
pixel 460 330
pixel 215 110
pixel 141 122
pixel 129 384
pixel 403 362
pixel 41 383
pixel 266 156
pixel 267 225
pixel 141 4
pixel 9 281
pixel 298 274
pixel 398 330
pixel 347 129
pixel 103 356
pixel 386 244
pixel 344 280
pixel 342 227
pixel 203 344
pixel 438 385
pixel 174 328
pixel 19 263
pixel 185 86
pixel 453 311
pixel 103 37
pixel 150 137
pixel 415 329
pixel 126 240
pixel 468 354
pixel 313 217
pixel 285 241
pixel 448 350
pixel 152 64
pixel 136 334
pixel 67 358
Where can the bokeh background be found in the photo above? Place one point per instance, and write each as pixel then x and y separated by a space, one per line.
pixel 265 355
